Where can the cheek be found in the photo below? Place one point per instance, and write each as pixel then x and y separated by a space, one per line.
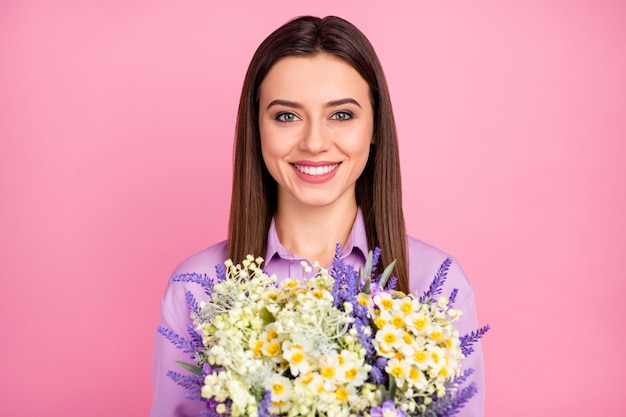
pixel 359 144
pixel 363 149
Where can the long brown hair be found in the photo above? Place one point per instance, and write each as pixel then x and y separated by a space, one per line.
pixel 378 190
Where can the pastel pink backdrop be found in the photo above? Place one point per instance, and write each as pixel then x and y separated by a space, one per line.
pixel 116 126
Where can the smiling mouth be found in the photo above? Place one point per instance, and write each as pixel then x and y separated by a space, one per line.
pixel 314 171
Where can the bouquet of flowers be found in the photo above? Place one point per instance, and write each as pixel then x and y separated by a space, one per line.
pixel 338 343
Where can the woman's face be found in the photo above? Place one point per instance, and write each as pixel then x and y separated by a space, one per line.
pixel 316 123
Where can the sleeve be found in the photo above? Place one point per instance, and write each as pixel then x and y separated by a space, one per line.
pixel 424 262
pixel 467 324
pixel 169 398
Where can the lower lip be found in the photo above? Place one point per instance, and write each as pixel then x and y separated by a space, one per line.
pixel 315 179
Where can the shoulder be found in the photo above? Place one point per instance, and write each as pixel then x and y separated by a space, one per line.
pixel 205 261
pixel 425 260
pixel 174 310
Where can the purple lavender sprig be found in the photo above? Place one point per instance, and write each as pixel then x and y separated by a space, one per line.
pixel 201 279
pixel 378 375
pixel 187 346
pixel 375 258
pixel 191 382
pixel 451 404
pixel 468 340
pixel 345 288
pixel 220 273
pixel 465 374
pixel 264 407
pixel 452 297
pixel 391 285
pixel 195 338
pixel 194 307
pixel 364 339
pixel 437 285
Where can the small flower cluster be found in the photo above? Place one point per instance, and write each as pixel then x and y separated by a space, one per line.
pixel 331 345
pixel 419 341
pixel 289 340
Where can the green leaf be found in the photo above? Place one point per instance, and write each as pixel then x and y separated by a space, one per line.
pixel 194 369
pixel 366 285
pixel 267 316
pixel 389 393
pixel 386 274
pixel 368 264
pixel 367 272
pixel 392 388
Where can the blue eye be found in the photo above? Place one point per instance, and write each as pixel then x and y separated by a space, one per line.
pixel 342 116
pixel 286 117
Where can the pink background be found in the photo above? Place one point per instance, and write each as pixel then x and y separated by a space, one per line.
pixel 116 126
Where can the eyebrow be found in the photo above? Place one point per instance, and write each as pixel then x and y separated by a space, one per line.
pixel 297 105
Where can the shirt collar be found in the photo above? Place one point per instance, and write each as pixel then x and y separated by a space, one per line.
pixel 357 242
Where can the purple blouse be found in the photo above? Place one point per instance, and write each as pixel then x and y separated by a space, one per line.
pixel 424 261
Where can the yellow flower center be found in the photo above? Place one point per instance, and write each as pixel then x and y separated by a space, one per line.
pixel 327 372
pixel 380 322
pixel 414 374
pixel 398 322
pixel 278 388
pixel 420 323
pixel 273 349
pixel 406 307
pixel 436 335
pixel 397 371
pixel 386 303
pixel 342 394
pixel 271 335
pixel 297 357
pixel 420 356
pixel 290 284
pixel 390 338
pixel 352 373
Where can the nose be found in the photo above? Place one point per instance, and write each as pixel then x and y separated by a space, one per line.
pixel 316 138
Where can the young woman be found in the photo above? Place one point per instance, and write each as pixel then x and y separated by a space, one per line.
pixel 316 164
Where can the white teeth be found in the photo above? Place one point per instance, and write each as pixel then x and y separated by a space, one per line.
pixel 316 170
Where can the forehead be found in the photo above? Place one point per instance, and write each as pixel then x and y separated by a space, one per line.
pixel 321 77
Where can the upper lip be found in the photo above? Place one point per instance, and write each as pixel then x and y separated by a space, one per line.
pixel 315 163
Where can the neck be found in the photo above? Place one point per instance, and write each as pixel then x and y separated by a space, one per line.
pixel 313 232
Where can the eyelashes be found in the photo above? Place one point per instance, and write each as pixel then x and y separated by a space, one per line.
pixel 342 116
pixel 289 117
pixel 286 117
